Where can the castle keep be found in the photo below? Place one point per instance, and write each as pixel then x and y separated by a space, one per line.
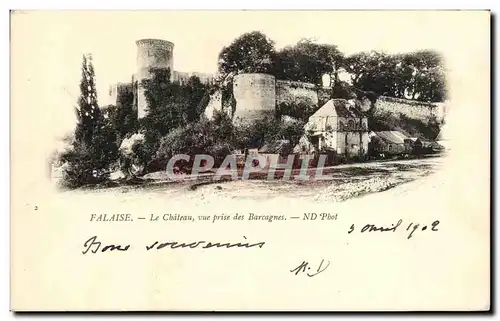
pixel 152 53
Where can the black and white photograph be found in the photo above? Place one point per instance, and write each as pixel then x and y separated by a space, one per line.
pixel 250 160
pixel 355 123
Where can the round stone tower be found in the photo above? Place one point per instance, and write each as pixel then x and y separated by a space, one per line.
pixel 255 96
pixel 151 53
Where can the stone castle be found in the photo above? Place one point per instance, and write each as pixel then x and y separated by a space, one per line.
pixel 256 95
pixel 152 53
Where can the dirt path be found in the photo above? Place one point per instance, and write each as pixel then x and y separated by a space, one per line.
pixel 338 184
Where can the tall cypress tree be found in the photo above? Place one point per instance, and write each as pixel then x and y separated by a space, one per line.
pixel 94 147
pixel 88 112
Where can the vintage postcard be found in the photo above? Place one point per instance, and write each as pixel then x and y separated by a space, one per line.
pixel 250 160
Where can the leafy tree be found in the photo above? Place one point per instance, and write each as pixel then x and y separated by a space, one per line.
pixel 170 106
pixel 291 131
pixel 374 71
pixel 252 52
pixel 123 116
pixel 213 137
pixel 218 137
pixel 87 111
pixel 257 133
pixel 300 111
pixel 343 90
pixel 164 111
pixel 308 62
pixel 416 75
pixel 94 149
pixel 194 91
pixel 424 72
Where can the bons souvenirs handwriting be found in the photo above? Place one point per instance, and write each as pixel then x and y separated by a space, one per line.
pixel 309 268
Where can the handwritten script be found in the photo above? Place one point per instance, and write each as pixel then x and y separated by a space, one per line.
pixel 305 268
pixel 411 228
pixel 92 245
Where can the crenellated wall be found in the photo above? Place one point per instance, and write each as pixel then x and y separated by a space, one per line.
pixel 183 77
pixel 296 92
pixel 256 95
pixel 411 108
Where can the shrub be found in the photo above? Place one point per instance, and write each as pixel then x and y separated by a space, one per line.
pixel 170 105
pixel 301 110
pixel 90 163
pixel 382 121
pixel 343 90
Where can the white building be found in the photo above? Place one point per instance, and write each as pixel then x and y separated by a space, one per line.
pixel 340 127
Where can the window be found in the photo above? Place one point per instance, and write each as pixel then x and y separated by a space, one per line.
pixel 351 124
pixel 315 141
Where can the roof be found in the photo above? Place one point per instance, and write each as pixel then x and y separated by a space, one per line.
pixel 275 147
pixel 339 108
pixel 392 136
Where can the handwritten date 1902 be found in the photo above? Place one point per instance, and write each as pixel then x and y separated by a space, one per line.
pixel 305 268
pixel 411 228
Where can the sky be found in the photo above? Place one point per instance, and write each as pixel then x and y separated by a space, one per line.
pixel 199 37
pixel 48 46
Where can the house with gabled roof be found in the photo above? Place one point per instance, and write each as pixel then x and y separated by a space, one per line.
pixel 390 142
pixel 340 127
